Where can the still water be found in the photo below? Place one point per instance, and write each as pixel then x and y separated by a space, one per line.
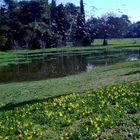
pixel 63 64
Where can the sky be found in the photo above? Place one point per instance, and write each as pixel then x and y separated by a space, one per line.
pixel 97 8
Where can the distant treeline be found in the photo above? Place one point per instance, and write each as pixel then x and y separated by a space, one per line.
pixel 37 24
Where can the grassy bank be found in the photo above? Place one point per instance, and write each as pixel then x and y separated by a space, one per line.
pixel 106 113
pixel 23 56
pixel 101 76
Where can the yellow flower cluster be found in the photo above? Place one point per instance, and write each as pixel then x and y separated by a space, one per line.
pixel 74 116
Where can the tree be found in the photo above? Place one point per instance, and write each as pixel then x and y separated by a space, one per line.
pixel 9 23
pixel 134 30
pixel 34 15
pixel 92 27
pixel 10 4
pixel 25 25
pixel 52 10
pixel 118 26
pixel 72 13
pixel 109 26
pixel 59 24
pixel 82 10
pixel 82 37
pixel 3 37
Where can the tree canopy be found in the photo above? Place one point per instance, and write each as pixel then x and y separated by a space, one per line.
pixel 39 24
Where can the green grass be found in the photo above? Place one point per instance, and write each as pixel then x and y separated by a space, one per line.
pixel 101 76
pixel 105 113
pixel 118 41
pixel 19 57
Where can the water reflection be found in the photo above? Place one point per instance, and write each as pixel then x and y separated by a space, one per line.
pixel 132 58
pixel 54 66
pixel 89 67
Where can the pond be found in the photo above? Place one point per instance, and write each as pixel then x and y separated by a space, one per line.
pixel 45 66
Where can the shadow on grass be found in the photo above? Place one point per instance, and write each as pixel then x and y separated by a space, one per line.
pixel 133 72
pixel 13 106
